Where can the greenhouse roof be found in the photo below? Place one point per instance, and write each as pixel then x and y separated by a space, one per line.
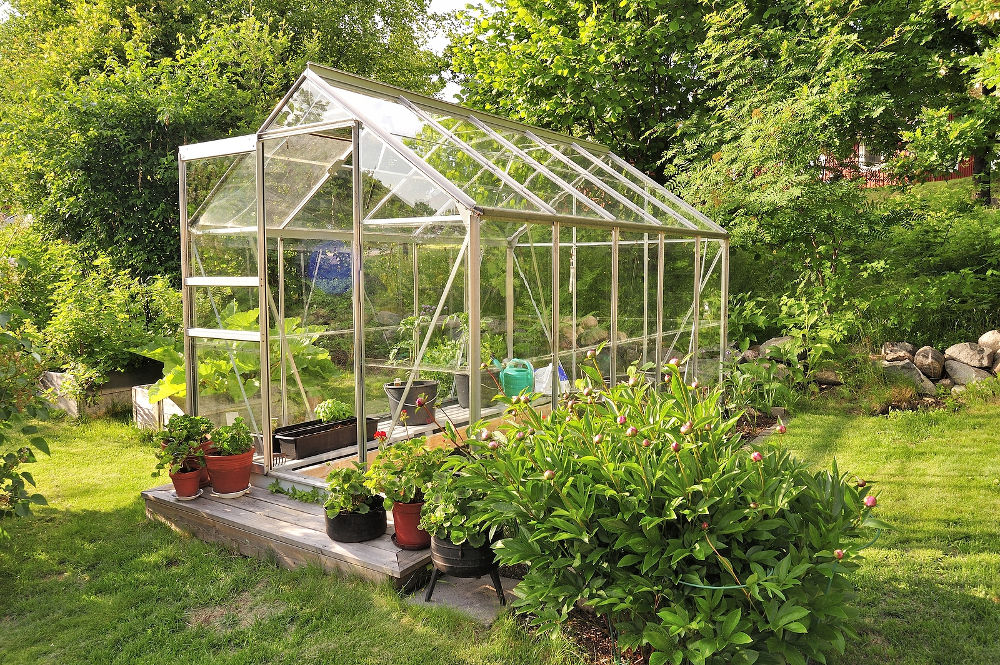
pixel 443 153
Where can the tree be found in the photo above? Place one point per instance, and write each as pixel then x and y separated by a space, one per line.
pixel 96 96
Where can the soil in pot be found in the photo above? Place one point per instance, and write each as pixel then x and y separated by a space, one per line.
pixel 406 519
pixel 486 393
pixel 186 482
pixel 461 560
pixel 357 527
pixel 230 473
pixel 421 388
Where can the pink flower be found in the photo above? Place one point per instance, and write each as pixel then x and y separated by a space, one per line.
pixel 598 438
pixel 756 456
pixel 694 384
pixel 493 445
pixel 674 361
pixel 548 474
pixel 781 428
pixel 862 482
pixel 631 431
pixel 420 401
pixel 621 420
pixel 686 427
pixel 871 501
pixel 704 526
pixel 754 505
pixel 838 554
pixel 520 436
pixel 646 443
pixel 483 434
pixel 676 447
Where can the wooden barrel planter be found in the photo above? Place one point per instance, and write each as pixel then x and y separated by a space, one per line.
pixel 464 561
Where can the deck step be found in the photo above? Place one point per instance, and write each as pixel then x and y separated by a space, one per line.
pixel 263 524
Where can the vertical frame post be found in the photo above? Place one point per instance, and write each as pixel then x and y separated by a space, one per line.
pixel 554 327
pixel 614 307
pixel 473 223
pixel 660 243
pixel 357 295
pixel 190 366
pixel 281 332
pixel 263 316
pixel 724 309
pixel 509 297
pixel 416 295
pixel 572 286
pixel 645 298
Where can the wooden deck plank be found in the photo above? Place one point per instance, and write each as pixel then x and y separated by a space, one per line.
pixel 359 554
pixel 295 532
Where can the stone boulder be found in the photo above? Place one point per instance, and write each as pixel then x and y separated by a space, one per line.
pixel 930 361
pixel 387 318
pixel 750 355
pixel 996 363
pixel 898 351
pixel 945 383
pixel 828 377
pixel 589 321
pixel 593 336
pixel 957 390
pixel 971 354
pixel 908 370
pixel 990 340
pixel 962 374
pixel 769 348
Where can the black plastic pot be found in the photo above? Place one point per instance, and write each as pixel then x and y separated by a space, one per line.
pixel 315 437
pixel 414 415
pixel 486 393
pixel 461 560
pixel 357 527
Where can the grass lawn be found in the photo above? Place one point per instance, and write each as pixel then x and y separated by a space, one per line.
pixel 90 580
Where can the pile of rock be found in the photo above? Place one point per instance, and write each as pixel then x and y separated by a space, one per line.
pixel 959 365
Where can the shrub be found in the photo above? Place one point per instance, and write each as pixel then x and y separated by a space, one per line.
pixel 347 492
pixel 333 410
pixel 232 439
pixel 647 508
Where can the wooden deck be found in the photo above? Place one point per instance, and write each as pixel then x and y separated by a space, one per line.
pixel 264 524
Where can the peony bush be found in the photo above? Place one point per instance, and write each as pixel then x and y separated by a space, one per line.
pixel 649 509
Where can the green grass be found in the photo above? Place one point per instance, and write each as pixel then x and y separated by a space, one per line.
pixel 91 580
pixel 929 591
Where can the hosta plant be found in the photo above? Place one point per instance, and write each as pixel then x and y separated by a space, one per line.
pixel 648 508
pixel 402 471
pixel 347 492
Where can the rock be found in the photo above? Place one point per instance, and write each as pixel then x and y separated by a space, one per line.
pixel 750 355
pixel 898 351
pixel 593 336
pixel 780 371
pixel 908 370
pixel 996 363
pixel 957 390
pixel 774 341
pixel 990 340
pixel 962 374
pixel 779 412
pixel 930 361
pixel 771 348
pixel 971 354
pixel 827 377
pixel 588 321
pixel 945 383
pixel 386 318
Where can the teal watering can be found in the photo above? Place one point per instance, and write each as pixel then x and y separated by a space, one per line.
pixel 518 375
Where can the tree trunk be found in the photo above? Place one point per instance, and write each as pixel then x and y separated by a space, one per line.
pixel 981 176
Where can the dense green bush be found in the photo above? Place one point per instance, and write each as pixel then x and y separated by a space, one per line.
pixel 648 508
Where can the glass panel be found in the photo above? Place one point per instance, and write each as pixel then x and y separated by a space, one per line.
pixel 636 313
pixel 709 328
pixel 222 216
pixel 225 307
pixel 678 297
pixel 228 381
pixel 307 182
pixel 308 105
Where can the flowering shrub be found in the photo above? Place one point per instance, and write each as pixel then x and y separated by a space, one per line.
pixel 646 506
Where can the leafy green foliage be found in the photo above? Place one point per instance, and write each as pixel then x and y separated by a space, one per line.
pixel 180 445
pixel 20 368
pixel 333 410
pixel 347 492
pixel 450 505
pixel 401 471
pixel 713 552
pixel 315 495
pixel 232 439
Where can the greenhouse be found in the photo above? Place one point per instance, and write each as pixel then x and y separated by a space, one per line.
pixel 369 245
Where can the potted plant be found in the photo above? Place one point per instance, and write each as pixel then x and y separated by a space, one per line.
pixel 401 472
pixel 458 547
pixel 193 429
pixel 335 428
pixel 230 457
pixel 419 400
pixel 184 458
pixel 353 512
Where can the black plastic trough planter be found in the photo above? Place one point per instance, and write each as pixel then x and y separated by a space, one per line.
pixel 315 437
pixel 357 528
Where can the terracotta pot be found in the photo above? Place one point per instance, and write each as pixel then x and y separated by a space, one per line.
pixel 185 482
pixel 230 473
pixel 406 518
pixel 203 478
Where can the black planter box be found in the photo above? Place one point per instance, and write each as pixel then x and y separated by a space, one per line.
pixel 315 437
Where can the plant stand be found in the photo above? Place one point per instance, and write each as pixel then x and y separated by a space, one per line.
pixel 494 575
